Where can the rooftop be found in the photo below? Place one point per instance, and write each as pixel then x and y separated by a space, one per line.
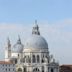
pixel 5 62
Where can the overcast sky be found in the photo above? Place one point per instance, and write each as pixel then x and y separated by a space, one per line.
pixel 54 19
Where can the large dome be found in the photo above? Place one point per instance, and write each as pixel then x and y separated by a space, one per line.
pixel 36 41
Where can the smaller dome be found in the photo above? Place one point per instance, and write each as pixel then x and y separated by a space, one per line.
pixel 18 47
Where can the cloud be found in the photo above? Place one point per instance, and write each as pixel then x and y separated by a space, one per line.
pixel 57 34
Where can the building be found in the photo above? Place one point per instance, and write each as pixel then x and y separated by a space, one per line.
pixel 7 66
pixel 66 68
pixel 33 56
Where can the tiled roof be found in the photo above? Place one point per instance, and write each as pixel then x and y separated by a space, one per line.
pixel 66 68
pixel 5 62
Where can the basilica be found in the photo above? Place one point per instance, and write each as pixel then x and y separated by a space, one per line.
pixel 33 56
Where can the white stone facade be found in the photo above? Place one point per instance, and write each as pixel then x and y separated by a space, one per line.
pixel 33 56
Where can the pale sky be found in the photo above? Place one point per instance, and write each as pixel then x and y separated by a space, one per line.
pixel 54 19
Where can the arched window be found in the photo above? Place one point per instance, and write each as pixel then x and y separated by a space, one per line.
pixel 18 55
pixel 25 70
pixel 24 59
pixel 42 68
pixel 15 61
pixel 52 70
pixel 42 60
pixel 9 69
pixel 33 59
pixel 38 59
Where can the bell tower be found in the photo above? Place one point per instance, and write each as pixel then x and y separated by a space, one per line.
pixel 7 50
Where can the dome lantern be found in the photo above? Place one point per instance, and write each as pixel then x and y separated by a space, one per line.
pixel 36 29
